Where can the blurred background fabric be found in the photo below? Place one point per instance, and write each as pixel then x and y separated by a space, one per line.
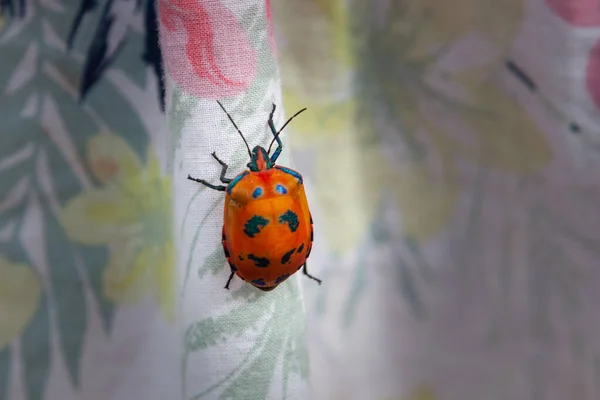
pixel 450 153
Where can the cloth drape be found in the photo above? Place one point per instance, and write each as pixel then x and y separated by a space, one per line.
pixel 449 156
pixel 241 343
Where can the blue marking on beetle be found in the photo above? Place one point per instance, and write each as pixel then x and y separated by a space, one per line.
pixel 254 225
pixel 280 189
pixel 291 172
pixel 259 282
pixel 282 278
pixel 301 248
pixel 260 262
pixel 290 218
pixel 257 192
pixel 235 181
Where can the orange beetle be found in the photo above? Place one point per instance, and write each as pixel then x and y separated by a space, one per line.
pixel 267 226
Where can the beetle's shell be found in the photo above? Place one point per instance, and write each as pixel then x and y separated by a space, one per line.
pixel 267 238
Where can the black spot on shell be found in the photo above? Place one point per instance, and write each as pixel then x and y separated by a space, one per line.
pixel 260 262
pixel 291 219
pixel 253 226
pixel 286 257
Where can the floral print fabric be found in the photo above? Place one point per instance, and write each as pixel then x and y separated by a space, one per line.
pixel 240 343
pixel 449 154
pixel 87 271
pixel 451 150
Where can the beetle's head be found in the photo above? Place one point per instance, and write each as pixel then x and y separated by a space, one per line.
pixel 260 160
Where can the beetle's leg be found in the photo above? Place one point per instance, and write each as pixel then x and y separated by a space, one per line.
pixel 279 143
pixel 202 181
pixel 229 280
pixel 305 272
pixel 223 169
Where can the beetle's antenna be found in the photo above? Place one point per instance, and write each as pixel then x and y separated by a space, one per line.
pixel 236 127
pixel 284 125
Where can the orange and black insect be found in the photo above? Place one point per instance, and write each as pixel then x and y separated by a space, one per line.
pixel 267 225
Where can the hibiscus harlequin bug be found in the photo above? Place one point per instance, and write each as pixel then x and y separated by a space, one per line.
pixel 267 225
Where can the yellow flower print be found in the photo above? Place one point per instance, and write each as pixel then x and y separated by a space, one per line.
pixel 421 392
pixel 316 67
pixel 315 58
pixel 462 114
pixel 452 114
pixel 131 213
pixel 507 137
pixel 20 291
pixel 353 188
pixel 324 119
pixel 434 24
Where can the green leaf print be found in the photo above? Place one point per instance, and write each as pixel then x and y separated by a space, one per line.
pixel 214 263
pixel 407 258
pixel 257 374
pixel 379 233
pixel 35 350
pixel 5 355
pixel 94 261
pixel 254 22
pixel 46 131
pixel 182 105
pixel 277 318
pixel 70 304
pixel 195 238
pixel 408 288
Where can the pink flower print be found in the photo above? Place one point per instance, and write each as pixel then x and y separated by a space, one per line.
pixel 593 74
pixel 206 51
pixel 582 13
pixel 270 22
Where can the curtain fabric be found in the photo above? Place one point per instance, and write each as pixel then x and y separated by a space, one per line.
pixel 450 158
pixel 241 343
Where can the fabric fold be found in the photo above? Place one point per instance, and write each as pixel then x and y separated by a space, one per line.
pixel 242 342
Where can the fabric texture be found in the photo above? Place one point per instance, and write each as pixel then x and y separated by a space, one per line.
pixel 450 158
pixel 87 273
pixel 243 343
